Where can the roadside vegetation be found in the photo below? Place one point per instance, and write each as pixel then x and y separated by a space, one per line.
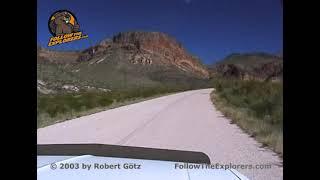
pixel 54 108
pixel 255 106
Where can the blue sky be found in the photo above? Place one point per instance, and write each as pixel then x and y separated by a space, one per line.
pixel 209 29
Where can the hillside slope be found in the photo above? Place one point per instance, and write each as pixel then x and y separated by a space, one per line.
pixel 127 60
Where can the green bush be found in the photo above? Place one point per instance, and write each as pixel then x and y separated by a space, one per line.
pixel 261 98
pixel 255 106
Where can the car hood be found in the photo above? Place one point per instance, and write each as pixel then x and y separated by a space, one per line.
pixel 76 167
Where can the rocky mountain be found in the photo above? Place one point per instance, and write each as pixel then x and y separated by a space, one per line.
pixel 147 48
pixel 126 60
pixel 258 66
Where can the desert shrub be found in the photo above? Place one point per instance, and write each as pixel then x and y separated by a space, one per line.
pixel 256 106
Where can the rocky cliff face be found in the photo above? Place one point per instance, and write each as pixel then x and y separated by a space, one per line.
pixel 140 48
pixel 127 60
pixel 269 71
pixel 147 48
pixel 228 71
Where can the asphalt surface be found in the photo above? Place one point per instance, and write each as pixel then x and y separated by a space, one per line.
pixel 182 121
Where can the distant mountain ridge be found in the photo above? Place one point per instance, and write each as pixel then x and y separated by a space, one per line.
pixel 257 65
pixel 249 60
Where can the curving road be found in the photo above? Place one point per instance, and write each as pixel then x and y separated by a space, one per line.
pixel 182 121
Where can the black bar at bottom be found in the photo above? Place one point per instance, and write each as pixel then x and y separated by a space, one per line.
pixel 122 152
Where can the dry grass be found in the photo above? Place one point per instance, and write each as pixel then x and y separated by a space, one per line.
pixel 262 124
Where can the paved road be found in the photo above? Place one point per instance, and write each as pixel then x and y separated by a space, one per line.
pixel 182 121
